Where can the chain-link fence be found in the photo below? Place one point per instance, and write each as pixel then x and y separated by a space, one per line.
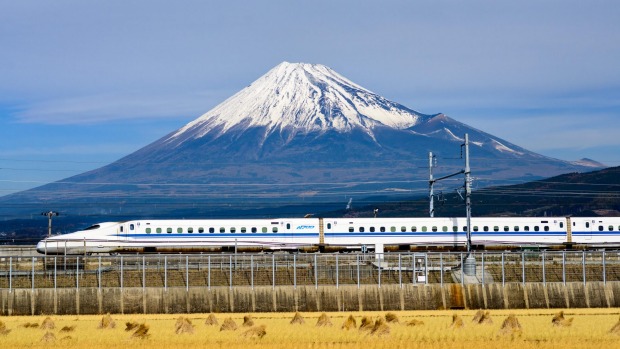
pixel 251 270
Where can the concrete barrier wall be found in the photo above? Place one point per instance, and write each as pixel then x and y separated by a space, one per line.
pixel 308 299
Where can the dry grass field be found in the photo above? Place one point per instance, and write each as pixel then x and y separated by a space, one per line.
pixel 573 328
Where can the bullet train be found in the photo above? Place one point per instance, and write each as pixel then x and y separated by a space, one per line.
pixel 336 234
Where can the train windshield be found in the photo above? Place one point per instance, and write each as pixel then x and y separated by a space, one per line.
pixel 93 227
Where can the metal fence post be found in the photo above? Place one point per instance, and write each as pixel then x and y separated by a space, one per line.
pixel 230 278
pixel 462 270
pixel 252 271
pixel 143 273
pixel 604 270
pixel 337 274
pixel 381 256
pixel 273 271
pixel 77 272
pixel 400 272
pixel 482 257
pixel 357 258
pixel 99 274
pixel 55 279
pixel 441 269
pixel 564 267
pixel 165 273
pixel 295 271
pixel 33 273
pixel 503 272
pixel 523 266
pixel 209 272
pixel 187 273
pixel 583 266
pixel 121 272
pixel 10 274
pixel 316 273
pixel 544 278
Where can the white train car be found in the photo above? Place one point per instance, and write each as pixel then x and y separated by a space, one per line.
pixel 151 236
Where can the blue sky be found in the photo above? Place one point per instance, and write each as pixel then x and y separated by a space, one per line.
pixel 83 83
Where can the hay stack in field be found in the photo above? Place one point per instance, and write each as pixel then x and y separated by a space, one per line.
pixel 67 329
pixel 130 325
pixel 380 328
pixel 211 320
pixel 48 337
pixel 324 321
pixel 30 325
pixel 256 331
pixel 511 326
pixel 616 328
pixel 366 324
pixel 415 322
pixel 107 322
pixel 560 321
pixel 457 322
pixel 391 318
pixel 3 330
pixel 48 324
pixel 349 323
pixel 142 332
pixel 228 325
pixel 482 318
pixel 298 319
pixel 183 325
pixel 247 321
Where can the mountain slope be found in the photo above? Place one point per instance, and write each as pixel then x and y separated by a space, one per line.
pixel 299 133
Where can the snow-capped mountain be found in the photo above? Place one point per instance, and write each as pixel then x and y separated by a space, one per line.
pixel 301 132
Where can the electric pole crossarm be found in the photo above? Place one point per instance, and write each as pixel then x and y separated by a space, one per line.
pixel 448 176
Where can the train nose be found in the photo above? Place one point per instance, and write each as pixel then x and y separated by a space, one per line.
pixel 41 247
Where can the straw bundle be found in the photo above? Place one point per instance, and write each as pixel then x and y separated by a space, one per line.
pixel 298 319
pixel 256 331
pixel 247 321
pixel 228 325
pixel 183 325
pixel 349 323
pixel 211 320
pixel 457 322
pixel 324 321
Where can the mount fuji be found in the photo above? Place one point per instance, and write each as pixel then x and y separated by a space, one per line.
pixel 300 133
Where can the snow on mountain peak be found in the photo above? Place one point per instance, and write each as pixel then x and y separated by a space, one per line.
pixel 303 98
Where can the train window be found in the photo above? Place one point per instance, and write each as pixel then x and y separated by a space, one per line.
pixel 424 228
pixel 455 228
pixel 233 230
pixel 414 229
pixel 561 224
pixel 201 230
pixel 264 229
pixel 131 227
pixel 485 228
pixel 526 228
pixel 148 230
pixel 393 229
pixel 382 229
pixel 434 228
pixel 190 230
pixel 403 229
pixel 506 228
pixel 254 230
pixel 536 228
pixel 465 228
pixel 121 228
pixel 243 230
pixel 329 226
pixel 274 229
pixel 475 228
pixel 516 228
pixel 179 230
pixel 496 228
pixel 288 226
pixel 361 229
pixel 351 229
pixel 372 229
pixel 211 230
pixel 600 228
pixel 169 230
pixel 587 224
pixel 158 230
pixel 222 230
pixel 444 228
pixel 546 228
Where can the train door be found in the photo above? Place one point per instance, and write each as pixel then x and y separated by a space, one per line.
pixel 289 229
pixel 587 229
pixel 124 229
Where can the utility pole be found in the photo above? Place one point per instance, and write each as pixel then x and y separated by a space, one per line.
pixel 431 182
pixel 470 261
pixel 49 215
